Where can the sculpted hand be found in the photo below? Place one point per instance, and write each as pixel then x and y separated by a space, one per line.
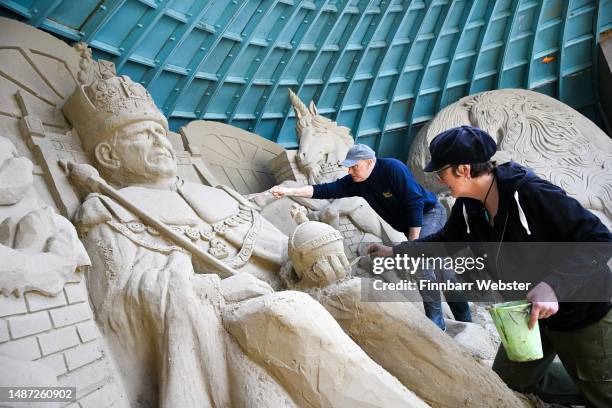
pixel 330 268
pixel 544 303
pixel 33 230
pixel 39 263
pixel 45 272
pixel 375 250
pixel 243 286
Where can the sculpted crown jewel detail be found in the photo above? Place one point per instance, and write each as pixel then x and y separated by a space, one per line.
pixel 97 110
pixel 119 93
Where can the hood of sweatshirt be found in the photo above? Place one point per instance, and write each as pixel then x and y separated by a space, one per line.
pixel 509 177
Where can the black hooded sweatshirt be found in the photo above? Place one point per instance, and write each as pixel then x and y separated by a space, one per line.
pixel 533 210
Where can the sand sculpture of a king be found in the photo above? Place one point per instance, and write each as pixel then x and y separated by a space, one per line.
pixel 155 310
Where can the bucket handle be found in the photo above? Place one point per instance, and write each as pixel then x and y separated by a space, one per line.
pixel 526 312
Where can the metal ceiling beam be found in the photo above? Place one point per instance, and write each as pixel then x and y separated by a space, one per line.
pixel 169 48
pixel 398 21
pixel 426 60
pixel 468 13
pixel 282 67
pixel 501 64
pixel 41 9
pixel 98 19
pixel 415 32
pixel 199 60
pixel 140 31
pixel 305 71
pixel 260 61
pixel 345 38
pixel 595 54
pixel 227 64
pixel 532 48
pixel 560 78
pixel 483 34
pixel 357 61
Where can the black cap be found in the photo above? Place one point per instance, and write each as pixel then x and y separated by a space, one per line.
pixel 460 145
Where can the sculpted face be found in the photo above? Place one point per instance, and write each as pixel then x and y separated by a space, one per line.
pixel 140 153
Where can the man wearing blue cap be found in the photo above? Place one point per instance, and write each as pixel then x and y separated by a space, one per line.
pixel 392 191
pixel 509 204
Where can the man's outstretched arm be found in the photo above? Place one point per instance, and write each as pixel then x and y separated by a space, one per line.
pixel 304 191
pixel 336 189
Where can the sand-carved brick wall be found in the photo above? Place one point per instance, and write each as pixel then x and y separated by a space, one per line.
pixel 60 333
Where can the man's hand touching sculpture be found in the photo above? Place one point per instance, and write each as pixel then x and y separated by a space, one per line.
pixel 544 303
pixel 281 191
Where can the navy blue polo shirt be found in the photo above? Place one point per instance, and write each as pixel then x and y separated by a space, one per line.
pixel 391 190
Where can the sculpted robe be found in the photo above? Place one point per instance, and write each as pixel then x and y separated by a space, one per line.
pixel 160 317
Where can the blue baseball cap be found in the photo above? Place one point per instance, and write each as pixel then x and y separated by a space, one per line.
pixel 356 153
pixel 460 145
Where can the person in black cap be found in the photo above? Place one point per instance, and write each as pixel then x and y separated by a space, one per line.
pixel 392 191
pixel 509 203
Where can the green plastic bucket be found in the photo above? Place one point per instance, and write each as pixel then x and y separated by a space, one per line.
pixel 511 320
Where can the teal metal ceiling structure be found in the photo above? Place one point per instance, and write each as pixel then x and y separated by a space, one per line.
pixel 379 67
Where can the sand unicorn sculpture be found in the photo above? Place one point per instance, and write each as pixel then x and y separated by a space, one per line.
pixel 322 143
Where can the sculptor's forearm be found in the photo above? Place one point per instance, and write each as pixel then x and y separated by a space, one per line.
pixel 304 191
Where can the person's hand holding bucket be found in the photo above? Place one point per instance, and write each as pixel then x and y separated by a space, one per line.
pixel 516 322
pixel 544 303
pixel 520 342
